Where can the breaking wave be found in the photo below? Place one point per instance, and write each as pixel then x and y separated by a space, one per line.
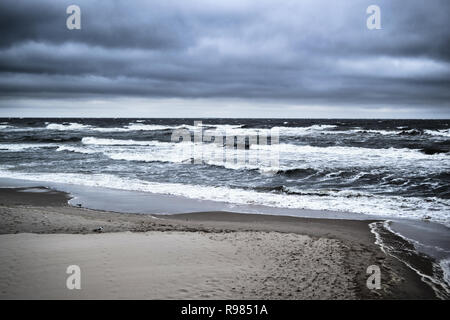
pixel 346 201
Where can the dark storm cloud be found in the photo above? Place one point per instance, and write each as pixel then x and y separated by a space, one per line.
pixel 105 23
pixel 297 51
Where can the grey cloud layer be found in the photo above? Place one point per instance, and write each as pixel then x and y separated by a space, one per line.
pixel 298 51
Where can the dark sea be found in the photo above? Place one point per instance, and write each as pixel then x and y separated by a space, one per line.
pixel 394 169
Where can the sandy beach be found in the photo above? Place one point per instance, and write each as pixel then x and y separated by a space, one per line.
pixel 207 255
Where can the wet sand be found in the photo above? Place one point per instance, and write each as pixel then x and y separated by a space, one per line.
pixel 208 255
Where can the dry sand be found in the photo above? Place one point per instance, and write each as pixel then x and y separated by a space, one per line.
pixel 173 265
pixel 212 255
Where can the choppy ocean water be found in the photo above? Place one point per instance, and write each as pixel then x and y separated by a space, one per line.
pixel 393 168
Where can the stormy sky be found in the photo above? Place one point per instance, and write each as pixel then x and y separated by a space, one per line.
pixel 225 58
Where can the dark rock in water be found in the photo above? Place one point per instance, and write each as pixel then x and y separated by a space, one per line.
pixel 278 188
pixel 297 172
pixel 412 132
pixel 432 150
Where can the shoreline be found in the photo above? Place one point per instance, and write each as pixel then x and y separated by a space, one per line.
pixel 139 202
pixel 45 213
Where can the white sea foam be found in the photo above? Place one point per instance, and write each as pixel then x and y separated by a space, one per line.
pixel 141 127
pixel 223 126
pixel 351 157
pixel 131 150
pixel 283 131
pixel 117 142
pixel 77 149
pixel 385 206
pixel 445 266
pixel 320 129
pixel 162 152
pixel 109 130
pixel 261 156
pixel 350 151
pixel 67 126
pixel 178 152
pixel 146 127
pixel 442 133
pixel 382 132
pixel 230 129
pixel 17 147
pixel 155 151
pixel 127 128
